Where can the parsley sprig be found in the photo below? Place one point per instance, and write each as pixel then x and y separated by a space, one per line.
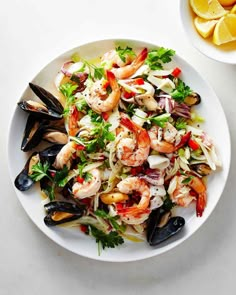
pixel 181 91
pixel 67 89
pixel 157 57
pixel 41 170
pixel 110 240
pixel 124 52
pixel 111 219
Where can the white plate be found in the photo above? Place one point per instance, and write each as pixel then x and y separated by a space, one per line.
pixel 73 239
pixel 225 53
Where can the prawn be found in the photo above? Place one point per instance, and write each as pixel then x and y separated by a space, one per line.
pixel 182 194
pixel 112 57
pixel 98 100
pixel 65 155
pixel 163 146
pixel 138 213
pixel 128 70
pixel 132 153
pixel 88 188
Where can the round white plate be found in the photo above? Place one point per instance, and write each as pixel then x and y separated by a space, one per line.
pixel 73 239
pixel 225 53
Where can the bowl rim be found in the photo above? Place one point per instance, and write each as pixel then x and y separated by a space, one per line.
pixel 151 253
pixel 198 42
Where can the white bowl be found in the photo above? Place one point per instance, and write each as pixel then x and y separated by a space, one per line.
pixel 225 53
pixel 73 239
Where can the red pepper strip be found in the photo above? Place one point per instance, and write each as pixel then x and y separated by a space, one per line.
pixel 80 179
pixel 139 81
pixel 105 116
pixel 193 144
pixel 73 121
pixel 80 147
pixel 127 94
pixel 105 84
pixel 184 139
pixel 201 204
pixel 176 72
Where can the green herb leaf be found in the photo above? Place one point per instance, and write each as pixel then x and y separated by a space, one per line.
pixel 39 171
pixel 99 73
pixel 49 191
pixel 81 105
pixel 187 180
pixel 60 177
pixel 180 124
pixel 110 240
pixel 168 204
pixel 67 89
pixel 181 91
pixel 124 52
pixel 157 57
pixel 112 219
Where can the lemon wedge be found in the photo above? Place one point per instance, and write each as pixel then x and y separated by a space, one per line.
pixel 208 9
pixel 233 9
pixel 205 27
pixel 227 2
pixel 225 30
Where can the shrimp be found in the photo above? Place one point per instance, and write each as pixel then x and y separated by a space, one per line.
pixel 164 146
pixel 88 188
pixel 65 155
pixel 98 100
pixel 128 70
pixel 138 213
pixel 132 153
pixel 182 194
pixel 112 57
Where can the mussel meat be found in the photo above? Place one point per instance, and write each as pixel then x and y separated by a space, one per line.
pixel 23 181
pixel 202 169
pixel 192 99
pixel 59 212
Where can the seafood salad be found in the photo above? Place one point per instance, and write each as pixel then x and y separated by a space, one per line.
pixel 123 147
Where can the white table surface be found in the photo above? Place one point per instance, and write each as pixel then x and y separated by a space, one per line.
pixel 31 34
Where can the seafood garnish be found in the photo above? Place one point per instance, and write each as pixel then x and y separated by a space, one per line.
pixel 124 147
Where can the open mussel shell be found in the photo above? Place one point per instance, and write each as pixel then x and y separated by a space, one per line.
pixel 172 227
pixel 61 212
pixel 33 133
pixel 202 169
pixel 50 100
pixel 39 110
pixel 23 181
pixel 192 99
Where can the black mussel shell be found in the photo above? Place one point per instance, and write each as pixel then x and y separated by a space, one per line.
pixel 33 133
pixel 152 222
pixel 50 100
pixel 65 207
pixel 172 227
pixel 49 154
pixel 23 181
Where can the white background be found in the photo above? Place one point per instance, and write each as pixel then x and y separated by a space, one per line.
pixel 31 34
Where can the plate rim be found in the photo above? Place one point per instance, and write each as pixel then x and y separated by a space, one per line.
pixel 151 253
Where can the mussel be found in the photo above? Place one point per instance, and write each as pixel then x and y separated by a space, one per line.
pixel 37 130
pixel 202 169
pixel 49 154
pixel 33 133
pixel 192 99
pixel 23 181
pixel 157 234
pixel 59 212
pixel 50 109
